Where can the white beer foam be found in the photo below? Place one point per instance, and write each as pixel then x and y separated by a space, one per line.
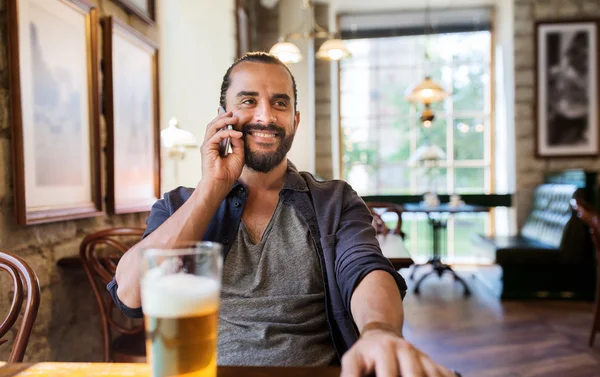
pixel 178 295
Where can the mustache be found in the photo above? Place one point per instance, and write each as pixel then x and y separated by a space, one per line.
pixel 249 127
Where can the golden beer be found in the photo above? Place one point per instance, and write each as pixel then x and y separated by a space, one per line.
pixel 180 301
pixel 182 346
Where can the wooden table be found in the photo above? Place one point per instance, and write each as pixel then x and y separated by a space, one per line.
pixel 392 246
pixel 143 370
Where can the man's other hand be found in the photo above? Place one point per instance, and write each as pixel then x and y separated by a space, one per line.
pixel 388 355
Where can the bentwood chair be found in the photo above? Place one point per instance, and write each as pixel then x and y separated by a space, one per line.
pixel 22 275
pixel 100 252
pixel 379 208
pixel 592 219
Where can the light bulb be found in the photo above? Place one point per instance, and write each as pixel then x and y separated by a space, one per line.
pixel 462 127
pixel 479 127
pixel 427 124
pixel 335 54
pixel 427 93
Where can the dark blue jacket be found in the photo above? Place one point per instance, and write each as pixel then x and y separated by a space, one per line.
pixel 339 223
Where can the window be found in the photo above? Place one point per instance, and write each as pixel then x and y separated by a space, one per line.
pixel 381 129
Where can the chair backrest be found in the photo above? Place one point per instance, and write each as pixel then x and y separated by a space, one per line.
pixel 379 208
pixel 551 212
pixel 590 216
pixel 21 274
pixel 100 253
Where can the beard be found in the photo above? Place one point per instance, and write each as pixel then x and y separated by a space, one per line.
pixel 264 162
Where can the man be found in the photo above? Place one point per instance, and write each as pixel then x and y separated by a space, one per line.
pixel 303 274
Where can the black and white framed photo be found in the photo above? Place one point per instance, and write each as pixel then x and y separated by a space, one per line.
pixel 567 88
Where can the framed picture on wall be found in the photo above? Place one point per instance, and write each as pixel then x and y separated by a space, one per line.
pixel 53 77
pixel 567 88
pixel 144 9
pixel 132 118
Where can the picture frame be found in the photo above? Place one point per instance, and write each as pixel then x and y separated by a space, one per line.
pixel 54 111
pixel 144 9
pixel 132 118
pixel 566 88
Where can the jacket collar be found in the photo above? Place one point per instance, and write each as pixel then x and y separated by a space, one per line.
pixel 294 180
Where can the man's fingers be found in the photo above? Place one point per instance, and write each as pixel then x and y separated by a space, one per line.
pixel 218 124
pixel 410 365
pixel 214 141
pixel 430 368
pixel 237 145
pixel 353 365
pixel 208 127
pixel 386 364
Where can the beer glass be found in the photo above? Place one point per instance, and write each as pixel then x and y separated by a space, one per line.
pixel 180 299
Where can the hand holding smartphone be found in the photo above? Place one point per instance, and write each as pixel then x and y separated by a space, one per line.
pixel 225 144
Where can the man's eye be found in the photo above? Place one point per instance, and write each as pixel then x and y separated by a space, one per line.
pixel 281 103
pixel 248 102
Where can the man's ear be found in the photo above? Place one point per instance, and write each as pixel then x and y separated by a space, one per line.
pixel 297 120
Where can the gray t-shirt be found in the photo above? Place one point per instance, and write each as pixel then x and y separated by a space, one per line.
pixel 273 298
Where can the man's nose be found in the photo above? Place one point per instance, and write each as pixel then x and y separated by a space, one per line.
pixel 264 113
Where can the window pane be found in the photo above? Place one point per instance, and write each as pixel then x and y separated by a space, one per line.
pixel 394 180
pixel 362 178
pixel 393 84
pixel 469 180
pixel 465 226
pixel 469 140
pixel 418 236
pixel 470 89
pixel 356 86
pixel 408 51
pixel 394 141
pixel 361 51
pixel 432 179
pixel 360 146
pixel 436 134
pixel 463 48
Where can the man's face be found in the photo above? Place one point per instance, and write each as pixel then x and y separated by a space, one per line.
pixel 262 96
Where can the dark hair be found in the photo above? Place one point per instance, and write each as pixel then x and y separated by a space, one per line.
pixel 255 57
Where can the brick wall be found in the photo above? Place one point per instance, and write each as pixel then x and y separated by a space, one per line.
pixel 67 325
pixel 530 170
pixel 263 25
pixel 323 161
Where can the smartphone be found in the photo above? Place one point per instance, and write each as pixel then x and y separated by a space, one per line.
pixel 225 144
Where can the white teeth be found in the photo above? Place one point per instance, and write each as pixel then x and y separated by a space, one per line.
pixel 260 134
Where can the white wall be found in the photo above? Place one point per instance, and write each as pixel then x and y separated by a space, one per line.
pixel 197 45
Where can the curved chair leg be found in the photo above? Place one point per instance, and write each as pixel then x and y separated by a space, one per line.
pixel 417 289
pixel 460 280
pixel 595 324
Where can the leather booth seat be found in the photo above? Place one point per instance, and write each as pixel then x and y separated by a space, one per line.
pixel 552 256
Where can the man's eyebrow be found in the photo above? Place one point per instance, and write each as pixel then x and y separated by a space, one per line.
pixel 244 93
pixel 281 96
